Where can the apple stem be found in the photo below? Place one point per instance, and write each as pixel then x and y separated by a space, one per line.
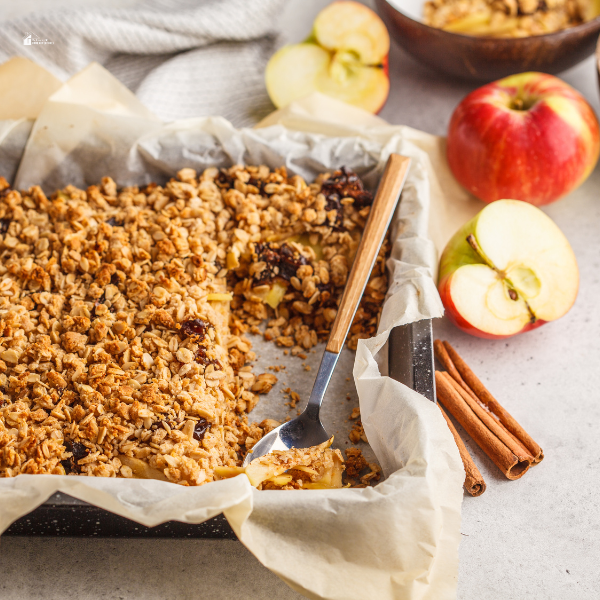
pixel 523 104
pixel 473 243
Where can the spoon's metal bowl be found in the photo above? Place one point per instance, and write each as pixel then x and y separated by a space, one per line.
pixel 301 432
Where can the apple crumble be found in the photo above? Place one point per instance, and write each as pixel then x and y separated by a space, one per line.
pixel 123 316
pixel 508 18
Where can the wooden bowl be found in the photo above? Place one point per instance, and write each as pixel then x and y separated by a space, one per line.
pixel 481 58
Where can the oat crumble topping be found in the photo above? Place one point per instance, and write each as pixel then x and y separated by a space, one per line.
pixel 123 314
pixel 507 18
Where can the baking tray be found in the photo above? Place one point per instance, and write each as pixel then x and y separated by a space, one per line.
pixel 410 361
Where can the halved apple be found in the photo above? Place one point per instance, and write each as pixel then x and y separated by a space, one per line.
pixel 508 270
pixel 345 57
pixel 352 27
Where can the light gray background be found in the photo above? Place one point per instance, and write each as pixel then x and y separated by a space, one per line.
pixel 537 538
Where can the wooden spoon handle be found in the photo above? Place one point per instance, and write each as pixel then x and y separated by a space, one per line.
pixel 380 216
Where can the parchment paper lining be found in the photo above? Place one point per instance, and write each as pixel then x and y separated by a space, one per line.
pixel 397 540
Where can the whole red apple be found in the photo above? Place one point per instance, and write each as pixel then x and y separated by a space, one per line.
pixel 530 137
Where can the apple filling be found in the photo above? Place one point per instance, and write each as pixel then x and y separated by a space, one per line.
pixel 291 275
pixel 319 467
pixel 274 265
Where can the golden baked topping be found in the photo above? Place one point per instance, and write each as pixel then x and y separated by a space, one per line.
pixel 123 314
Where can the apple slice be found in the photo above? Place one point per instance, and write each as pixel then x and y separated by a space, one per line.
pixel 508 270
pixel 345 58
pixel 273 293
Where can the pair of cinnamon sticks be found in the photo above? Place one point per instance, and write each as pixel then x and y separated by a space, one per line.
pixel 498 434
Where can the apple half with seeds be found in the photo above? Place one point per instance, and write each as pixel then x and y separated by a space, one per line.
pixel 345 57
pixel 508 270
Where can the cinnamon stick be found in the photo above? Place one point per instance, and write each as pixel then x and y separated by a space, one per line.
pixel 499 453
pixel 484 396
pixel 493 425
pixel 443 356
pixel 474 483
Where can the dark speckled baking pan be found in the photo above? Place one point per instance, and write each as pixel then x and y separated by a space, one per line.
pixel 410 361
pixel 62 515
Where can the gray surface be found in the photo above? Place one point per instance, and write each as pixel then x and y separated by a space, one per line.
pixel 537 538
pixel 100 569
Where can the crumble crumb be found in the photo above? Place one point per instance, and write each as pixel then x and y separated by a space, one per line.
pixel 373 475
pixel 294 397
pixel 357 433
pixel 355 462
pixel 264 383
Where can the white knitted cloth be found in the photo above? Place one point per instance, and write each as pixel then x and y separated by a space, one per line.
pixel 182 58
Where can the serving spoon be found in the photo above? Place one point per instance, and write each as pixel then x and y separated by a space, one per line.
pixel 307 430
